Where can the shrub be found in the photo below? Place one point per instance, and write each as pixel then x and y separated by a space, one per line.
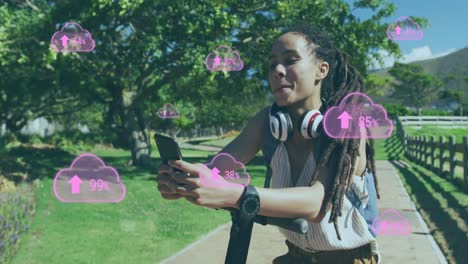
pixel 401 110
pixel 435 112
pixel 398 110
pixel 34 139
pixel 74 140
pixel 7 139
pixel 6 185
pixel 16 209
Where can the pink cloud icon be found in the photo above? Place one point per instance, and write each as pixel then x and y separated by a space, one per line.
pixel 224 59
pixel 404 28
pixel 168 111
pixel 88 180
pixel 391 223
pixel 357 117
pixel 72 38
pixel 224 171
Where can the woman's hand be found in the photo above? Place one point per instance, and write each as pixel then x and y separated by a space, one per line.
pixel 203 188
pixel 166 184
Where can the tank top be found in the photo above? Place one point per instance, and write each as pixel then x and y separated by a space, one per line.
pixel 322 236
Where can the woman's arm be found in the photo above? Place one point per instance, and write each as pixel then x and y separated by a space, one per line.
pixel 245 146
pixel 303 202
pixel 297 202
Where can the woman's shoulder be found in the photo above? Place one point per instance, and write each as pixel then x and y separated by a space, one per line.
pixel 261 117
pixel 265 111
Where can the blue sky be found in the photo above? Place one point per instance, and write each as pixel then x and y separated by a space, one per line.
pixel 448 30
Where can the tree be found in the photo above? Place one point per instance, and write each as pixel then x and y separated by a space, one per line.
pixel 29 85
pixel 376 85
pixel 412 86
pixel 453 95
pixel 152 52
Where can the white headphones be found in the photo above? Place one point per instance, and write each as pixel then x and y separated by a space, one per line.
pixel 282 128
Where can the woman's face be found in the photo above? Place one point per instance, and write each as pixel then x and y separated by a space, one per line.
pixel 293 70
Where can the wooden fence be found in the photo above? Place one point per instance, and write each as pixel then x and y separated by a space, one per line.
pixel 439 121
pixel 434 153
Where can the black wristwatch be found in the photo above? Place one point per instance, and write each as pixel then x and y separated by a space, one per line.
pixel 249 203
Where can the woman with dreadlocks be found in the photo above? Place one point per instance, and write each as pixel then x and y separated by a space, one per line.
pixel 314 177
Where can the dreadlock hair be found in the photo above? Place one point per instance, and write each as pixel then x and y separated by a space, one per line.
pixel 341 80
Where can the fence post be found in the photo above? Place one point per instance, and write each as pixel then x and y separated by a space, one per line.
pixel 420 149
pixel 452 160
pixel 410 147
pixel 441 156
pixel 407 147
pixel 465 161
pixel 426 146
pixel 416 149
pixel 433 146
pixel 405 141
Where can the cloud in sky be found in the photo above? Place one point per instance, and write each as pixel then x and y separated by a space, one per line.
pixel 416 54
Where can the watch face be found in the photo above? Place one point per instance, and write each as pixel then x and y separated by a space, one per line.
pixel 251 205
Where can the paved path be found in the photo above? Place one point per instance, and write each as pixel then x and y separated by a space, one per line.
pixel 199 147
pixel 268 243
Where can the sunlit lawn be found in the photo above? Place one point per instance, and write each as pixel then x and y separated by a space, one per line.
pixel 442 202
pixel 436 131
pixel 429 131
pixel 143 228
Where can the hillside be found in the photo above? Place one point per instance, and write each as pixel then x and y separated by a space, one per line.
pixel 455 64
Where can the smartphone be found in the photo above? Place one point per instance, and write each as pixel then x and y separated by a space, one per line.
pixel 168 148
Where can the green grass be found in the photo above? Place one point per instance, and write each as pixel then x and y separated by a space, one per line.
pixel 218 142
pixel 143 228
pixel 443 207
pixel 459 133
pixel 441 202
pixel 436 131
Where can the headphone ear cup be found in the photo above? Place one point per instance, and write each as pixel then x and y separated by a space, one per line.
pixel 280 124
pixel 274 127
pixel 317 126
pixel 311 124
pixel 288 126
pixel 285 126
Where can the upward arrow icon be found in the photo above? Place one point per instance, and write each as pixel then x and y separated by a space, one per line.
pixel 345 117
pixel 75 183
pixel 64 40
pixel 215 173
